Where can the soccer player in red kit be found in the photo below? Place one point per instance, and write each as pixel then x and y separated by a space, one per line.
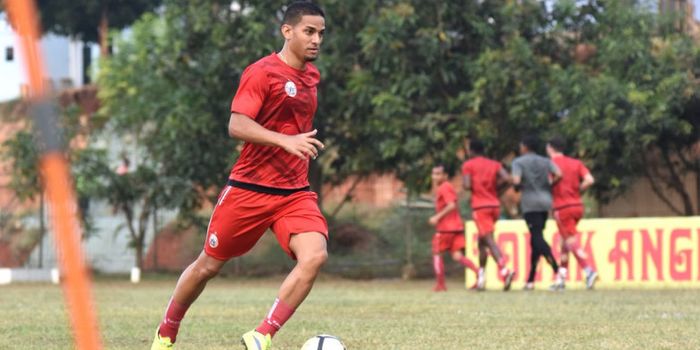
pixel 568 210
pixel 268 186
pixel 449 227
pixel 482 176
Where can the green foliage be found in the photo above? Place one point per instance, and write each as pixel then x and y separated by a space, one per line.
pixel 404 82
pixel 81 18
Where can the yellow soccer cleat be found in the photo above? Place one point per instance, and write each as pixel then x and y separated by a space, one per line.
pixel 163 343
pixel 253 340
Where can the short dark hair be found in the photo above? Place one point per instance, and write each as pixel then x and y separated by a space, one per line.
pixel 298 9
pixel 532 142
pixel 476 146
pixel 558 143
pixel 445 167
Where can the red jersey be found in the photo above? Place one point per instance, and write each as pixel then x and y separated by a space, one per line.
pixel 483 173
pixel 281 99
pixel 566 192
pixel 452 222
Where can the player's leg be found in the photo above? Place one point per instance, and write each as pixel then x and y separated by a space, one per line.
pixel 228 235
pixel 438 263
pixel 483 252
pixel 560 282
pixel 543 247
pixel 439 271
pixel 483 258
pixel 302 233
pixel 311 253
pixel 189 286
pixel 530 220
pixel 570 218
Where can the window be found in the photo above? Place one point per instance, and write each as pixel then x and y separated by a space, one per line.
pixel 9 54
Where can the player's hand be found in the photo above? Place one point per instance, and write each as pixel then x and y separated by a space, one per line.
pixel 303 145
pixel 433 220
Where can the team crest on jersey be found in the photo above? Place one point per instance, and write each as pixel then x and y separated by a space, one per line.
pixel 290 88
pixel 213 240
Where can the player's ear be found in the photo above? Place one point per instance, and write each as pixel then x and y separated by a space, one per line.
pixel 286 30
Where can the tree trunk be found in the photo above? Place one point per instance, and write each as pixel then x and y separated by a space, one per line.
pixel 103 32
pixel 139 253
pixel 697 187
pixel 676 183
pixel 155 238
pixel 42 228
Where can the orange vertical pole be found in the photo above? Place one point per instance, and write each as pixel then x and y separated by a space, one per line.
pixel 58 184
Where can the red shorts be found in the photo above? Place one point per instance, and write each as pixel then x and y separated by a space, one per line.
pixel 241 217
pixel 485 219
pixel 448 241
pixel 567 218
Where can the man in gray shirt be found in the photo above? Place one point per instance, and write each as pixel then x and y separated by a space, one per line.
pixel 534 175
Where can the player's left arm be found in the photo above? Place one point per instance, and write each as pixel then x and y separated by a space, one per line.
pixel 516 177
pixel 503 181
pixel 439 215
pixel 588 179
pixel 467 182
pixel 303 145
pixel 555 172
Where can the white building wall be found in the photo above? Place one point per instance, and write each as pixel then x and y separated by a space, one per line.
pixel 63 61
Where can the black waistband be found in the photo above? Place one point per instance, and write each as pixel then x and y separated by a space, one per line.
pixel 265 189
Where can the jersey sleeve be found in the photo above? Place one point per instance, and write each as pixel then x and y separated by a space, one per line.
pixel 582 170
pixel 466 169
pixel 517 168
pixel 553 168
pixel 448 194
pixel 251 92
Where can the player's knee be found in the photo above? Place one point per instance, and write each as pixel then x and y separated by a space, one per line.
pixel 206 272
pixel 314 260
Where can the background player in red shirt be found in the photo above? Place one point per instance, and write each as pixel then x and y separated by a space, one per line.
pixel 482 176
pixel 568 210
pixel 449 227
pixel 268 187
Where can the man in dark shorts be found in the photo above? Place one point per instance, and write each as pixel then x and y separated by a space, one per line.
pixel 268 187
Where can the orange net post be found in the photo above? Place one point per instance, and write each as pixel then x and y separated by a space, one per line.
pixel 58 184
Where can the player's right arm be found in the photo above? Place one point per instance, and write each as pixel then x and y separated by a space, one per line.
pixel 302 145
pixel 588 179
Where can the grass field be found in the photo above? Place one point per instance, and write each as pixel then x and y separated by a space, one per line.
pixel 366 315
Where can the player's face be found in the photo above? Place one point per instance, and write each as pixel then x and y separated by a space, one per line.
pixel 305 37
pixel 438 175
pixel 550 150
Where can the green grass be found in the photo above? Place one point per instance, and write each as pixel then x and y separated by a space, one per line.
pixel 366 315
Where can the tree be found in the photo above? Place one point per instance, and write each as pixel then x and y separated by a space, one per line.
pixel 633 109
pixel 90 20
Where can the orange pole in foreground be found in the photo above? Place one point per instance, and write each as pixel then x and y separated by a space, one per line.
pixel 58 184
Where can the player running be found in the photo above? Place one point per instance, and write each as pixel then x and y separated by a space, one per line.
pixel 482 176
pixel 533 175
pixel 449 227
pixel 568 210
pixel 268 186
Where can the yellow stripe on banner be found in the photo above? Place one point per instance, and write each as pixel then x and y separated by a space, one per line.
pixel 628 253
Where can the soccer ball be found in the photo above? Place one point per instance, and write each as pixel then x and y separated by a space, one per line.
pixel 323 342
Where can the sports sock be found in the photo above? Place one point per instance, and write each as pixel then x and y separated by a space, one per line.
pixel 171 321
pixel 279 313
pixel 439 268
pixel 468 264
pixel 580 256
